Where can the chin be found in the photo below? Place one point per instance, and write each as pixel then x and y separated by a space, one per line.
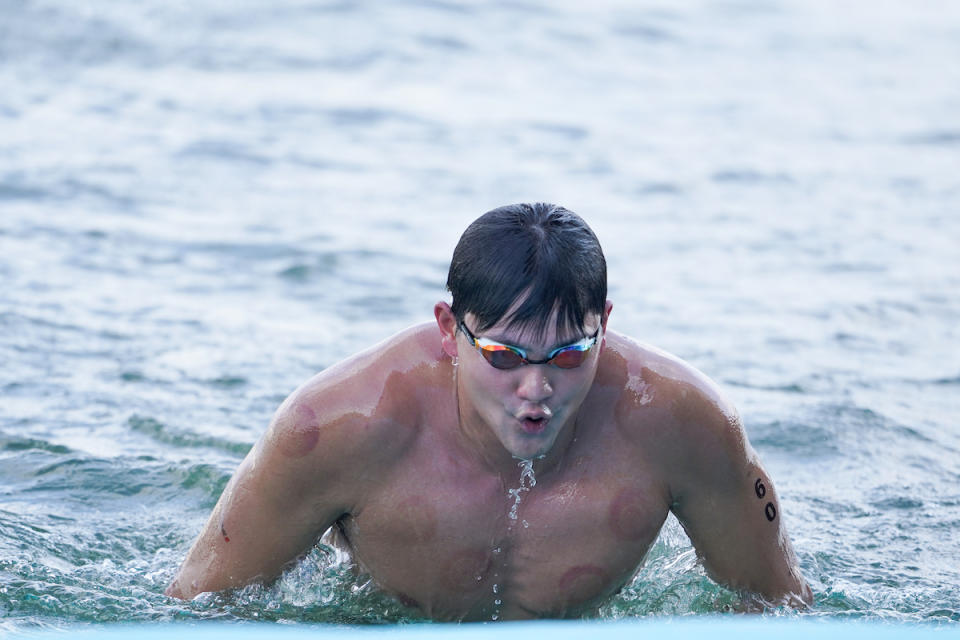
pixel 530 450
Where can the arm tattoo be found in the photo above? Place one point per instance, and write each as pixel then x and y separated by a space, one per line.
pixel 761 491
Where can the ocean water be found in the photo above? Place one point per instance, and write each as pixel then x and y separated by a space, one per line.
pixel 204 203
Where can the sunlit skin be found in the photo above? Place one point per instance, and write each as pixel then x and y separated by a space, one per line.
pixel 408 460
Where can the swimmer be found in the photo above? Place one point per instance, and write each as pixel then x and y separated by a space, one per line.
pixel 513 458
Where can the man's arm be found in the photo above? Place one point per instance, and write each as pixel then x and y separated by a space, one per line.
pixel 291 486
pixel 727 503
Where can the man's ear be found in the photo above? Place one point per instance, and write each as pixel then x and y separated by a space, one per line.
pixel 447 322
pixel 607 308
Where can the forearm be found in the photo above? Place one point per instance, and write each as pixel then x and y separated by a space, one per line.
pixel 250 536
pixel 210 564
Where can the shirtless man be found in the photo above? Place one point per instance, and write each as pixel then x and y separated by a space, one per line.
pixel 422 451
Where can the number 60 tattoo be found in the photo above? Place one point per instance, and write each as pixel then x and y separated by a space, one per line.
pixel 761 491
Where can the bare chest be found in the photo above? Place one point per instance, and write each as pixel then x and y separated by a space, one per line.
pixel 461 545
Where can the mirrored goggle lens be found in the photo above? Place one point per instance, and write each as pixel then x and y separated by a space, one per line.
pixel 569 358
pixel 505 358
pixel 502 357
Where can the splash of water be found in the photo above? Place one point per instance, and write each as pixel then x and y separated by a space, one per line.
pixel 527 481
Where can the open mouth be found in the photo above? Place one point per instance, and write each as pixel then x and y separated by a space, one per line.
pixel 534 426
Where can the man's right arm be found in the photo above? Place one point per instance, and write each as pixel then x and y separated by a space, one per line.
pixel 291 486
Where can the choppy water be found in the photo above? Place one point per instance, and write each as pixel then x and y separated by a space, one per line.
pixel 202 204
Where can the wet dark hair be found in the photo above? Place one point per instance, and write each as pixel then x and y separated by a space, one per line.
pixel 541 252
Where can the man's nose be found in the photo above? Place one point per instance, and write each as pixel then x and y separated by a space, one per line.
pixel 534 383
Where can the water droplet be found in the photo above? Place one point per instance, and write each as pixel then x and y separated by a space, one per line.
pixel 498 602
pixel 525 524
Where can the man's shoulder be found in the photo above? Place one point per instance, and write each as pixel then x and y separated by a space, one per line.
pixel 681 416
pixel 374 398
pixel 654 380
pixel 356 381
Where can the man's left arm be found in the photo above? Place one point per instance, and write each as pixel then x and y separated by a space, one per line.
pixel 727 504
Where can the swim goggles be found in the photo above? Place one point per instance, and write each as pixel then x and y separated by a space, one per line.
pixel 502 356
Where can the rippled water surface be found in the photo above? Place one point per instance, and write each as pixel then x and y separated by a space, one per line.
pixel 202 204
